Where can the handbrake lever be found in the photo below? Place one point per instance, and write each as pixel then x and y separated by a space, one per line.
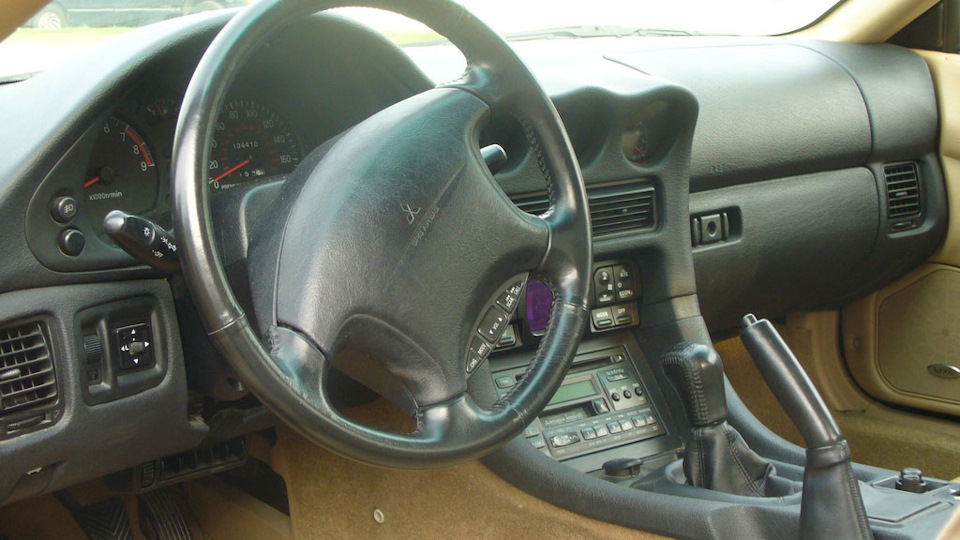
pixel 831 505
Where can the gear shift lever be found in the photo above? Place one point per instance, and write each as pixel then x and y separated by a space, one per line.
pixel 716 456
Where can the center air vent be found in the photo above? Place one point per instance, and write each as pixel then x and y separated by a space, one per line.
pixel 614 208
pixel 27 379
pixel 903 195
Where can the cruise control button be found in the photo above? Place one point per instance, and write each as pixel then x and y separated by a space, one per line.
pixel 492 324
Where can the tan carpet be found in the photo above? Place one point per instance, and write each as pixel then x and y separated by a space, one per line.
pixel 333 497
pixel 878 435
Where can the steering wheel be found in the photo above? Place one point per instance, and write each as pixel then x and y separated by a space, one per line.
pixel 392 252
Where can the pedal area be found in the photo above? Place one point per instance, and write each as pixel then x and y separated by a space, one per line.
pixel 160 516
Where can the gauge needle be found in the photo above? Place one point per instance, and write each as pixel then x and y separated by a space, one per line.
pixel 230 171
pixel 91 181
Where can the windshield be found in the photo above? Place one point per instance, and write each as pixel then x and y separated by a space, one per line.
pixel 66 27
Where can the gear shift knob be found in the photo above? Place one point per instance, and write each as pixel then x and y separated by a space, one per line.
pixel 697 372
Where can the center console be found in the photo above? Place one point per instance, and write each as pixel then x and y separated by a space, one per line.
pixel 609 405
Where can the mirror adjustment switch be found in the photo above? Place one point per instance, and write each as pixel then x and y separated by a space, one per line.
pixel 135 346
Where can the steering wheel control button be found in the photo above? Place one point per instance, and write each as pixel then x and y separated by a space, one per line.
pixel 509 298
pixel 602 318
pixel 565 439
pixel 493 324
pixel 63 209
pixel 505 382
pixel 480 347
pixel 473 361
pixel 72 242
pixel 603 283
pixel 508 339
pixel 135 346
pixel 624 282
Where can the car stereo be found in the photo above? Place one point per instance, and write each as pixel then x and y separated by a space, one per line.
pixel 602 403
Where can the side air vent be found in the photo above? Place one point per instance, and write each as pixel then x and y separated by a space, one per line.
pixel 27 379
pixel 902 181
pixel 623 207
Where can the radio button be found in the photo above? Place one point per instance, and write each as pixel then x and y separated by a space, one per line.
pixel 538 443
pixel 588 434
pixel 626 425
pixel 639 421
pixel 566 439
pixel 473 360
pixel 600 406
pixel 530 432
pixel 614 427
pixel 617 358
pixel 638 391
pixel 505 382
pixel 615 396
pixel 627 394
pixel 602 431
pixel 616 376
pixel 507 301
pixel 480 347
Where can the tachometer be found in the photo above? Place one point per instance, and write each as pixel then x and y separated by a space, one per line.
pixel 251 142
pixel 122 174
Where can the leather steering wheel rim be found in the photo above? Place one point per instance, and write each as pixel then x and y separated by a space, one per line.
pixel 287 368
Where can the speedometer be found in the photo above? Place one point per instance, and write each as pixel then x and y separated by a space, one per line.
pixel 251 142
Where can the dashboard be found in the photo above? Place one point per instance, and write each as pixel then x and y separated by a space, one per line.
pixel 716 186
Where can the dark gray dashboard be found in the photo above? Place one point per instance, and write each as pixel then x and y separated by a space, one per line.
pixel 783 146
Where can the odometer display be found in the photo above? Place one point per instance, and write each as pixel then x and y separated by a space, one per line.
pixel 250 142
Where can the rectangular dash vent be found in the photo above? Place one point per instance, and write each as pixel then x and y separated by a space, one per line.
pixel 614 208
pixel 902 182
pixel 27 378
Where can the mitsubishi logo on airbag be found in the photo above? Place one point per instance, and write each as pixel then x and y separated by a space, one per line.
pixel 410 211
